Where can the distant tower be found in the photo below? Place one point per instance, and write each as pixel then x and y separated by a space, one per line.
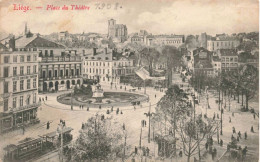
pixel 111 27
pixel 25 29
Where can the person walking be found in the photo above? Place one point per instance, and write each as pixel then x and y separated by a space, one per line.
pixel 239 134
pixel 82 126
pixel 147 151
pixel 123 126
pixel 245 135
pixel 237 138
pixel 136 149
pixel 234 129
pixel 48 125
pixel 46 98
pixel 252 129
pixel 206 146
pixel 23 129
pixel 221 142
pixel 229 119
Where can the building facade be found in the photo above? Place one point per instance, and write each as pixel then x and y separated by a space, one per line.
pixel 117 31
pixel 59 73
pixel 19 95
pixel 222 43
pixel 229 59
pixel 170 40
pixel 105 67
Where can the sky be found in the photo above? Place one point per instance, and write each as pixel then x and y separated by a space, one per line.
pixel 155 16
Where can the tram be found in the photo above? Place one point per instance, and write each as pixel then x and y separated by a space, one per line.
pixel 30 148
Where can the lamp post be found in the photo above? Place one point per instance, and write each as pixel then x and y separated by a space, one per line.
pixel 149 114
pixel 60 131
pixel 221 121
pixel 71 100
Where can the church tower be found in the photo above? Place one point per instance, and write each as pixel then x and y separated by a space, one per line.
pixel 25 28
pixel 111 27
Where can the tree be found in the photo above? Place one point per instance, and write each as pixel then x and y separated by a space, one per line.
pixel 249 80
pixel 101 139
pixel 136 48
pixel 191 41
pixel 193 134
pixel 150 57
pixel 172 107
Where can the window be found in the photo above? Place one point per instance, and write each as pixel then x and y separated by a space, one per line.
pixel 34 68
pixel 50 74
pixel 231 59
pixel 21 100
pixel 61 73
pixel 28 99
pixel 21 85
pixel 51 53
pixel 34 98
pixel 6 59
pixel 72 72
pixel 43 74
pixel 5 87
pixel 46 53
pixel 21 58
pixel 14 86
pixel 56 73
pixel 28 58
pixel 14 58
pixel 5 104
pixel 6 71
pixel 14 102
pixel 103 71
pixel 28 84
pixel 34 57
pixel 34 83
pixel 227 59
pixel 235 59
pixel 14 71
pixel 21 70
pixel 90 70
pixel 28 70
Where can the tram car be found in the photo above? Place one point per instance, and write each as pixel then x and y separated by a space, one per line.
pixel 30 148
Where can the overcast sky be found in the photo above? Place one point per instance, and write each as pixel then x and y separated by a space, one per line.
pixel 155 16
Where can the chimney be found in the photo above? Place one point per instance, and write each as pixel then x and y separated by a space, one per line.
pixel 94 51
pixel 12 43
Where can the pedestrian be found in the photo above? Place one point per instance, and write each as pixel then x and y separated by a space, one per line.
pixel 180 153
pixel 60 120
pixel 214 116
pixel 237 138
pixel 239 134
pixel 232 138
pixel 252 129
pixel 112 109
pixel 64 124
pixel 123 126
pixel 43 99
pixel 87 108
pixel 254 115
pixel 234 130
pixel 125 88
pixel 107 111
pixel 206 146
pixel 121 112
pixel 46 98
pixel 147 151
pixel 155 96
pixel 99 106
pixel 40 99
pixel 135 150
pixel 221 142
pixel 229 119
pixel 82 126
pixel 82 107
pixel 215 152
pixel 144 123
pixel 71 107
pixel 23 129
pixel 48 125
pixel 245 135
pixel 244 153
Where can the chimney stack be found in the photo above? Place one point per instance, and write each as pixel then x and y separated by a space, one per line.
pixel 94 51
pixel 12 43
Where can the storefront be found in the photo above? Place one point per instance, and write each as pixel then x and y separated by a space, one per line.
pixel 25 117
pixel 6 122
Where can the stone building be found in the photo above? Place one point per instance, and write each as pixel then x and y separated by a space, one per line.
pixel 19 88
pixel 222 43
pixel 106 66
pixel 117 32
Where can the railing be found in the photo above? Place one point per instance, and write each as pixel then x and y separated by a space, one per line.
pixel 25 107
pixel 61 59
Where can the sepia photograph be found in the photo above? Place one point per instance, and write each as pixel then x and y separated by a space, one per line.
pixel 129 81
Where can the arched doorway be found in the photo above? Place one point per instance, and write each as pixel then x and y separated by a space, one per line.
pixel 73 82
pixel 68 84
pixel 56 86
pixel 45 86
pixel 50 85
pixel 78 82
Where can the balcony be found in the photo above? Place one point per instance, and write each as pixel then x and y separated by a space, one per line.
pixel 27 107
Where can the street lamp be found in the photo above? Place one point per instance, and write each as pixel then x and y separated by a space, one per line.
pixel 71 101
pixel 221 121
pixel 149 114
